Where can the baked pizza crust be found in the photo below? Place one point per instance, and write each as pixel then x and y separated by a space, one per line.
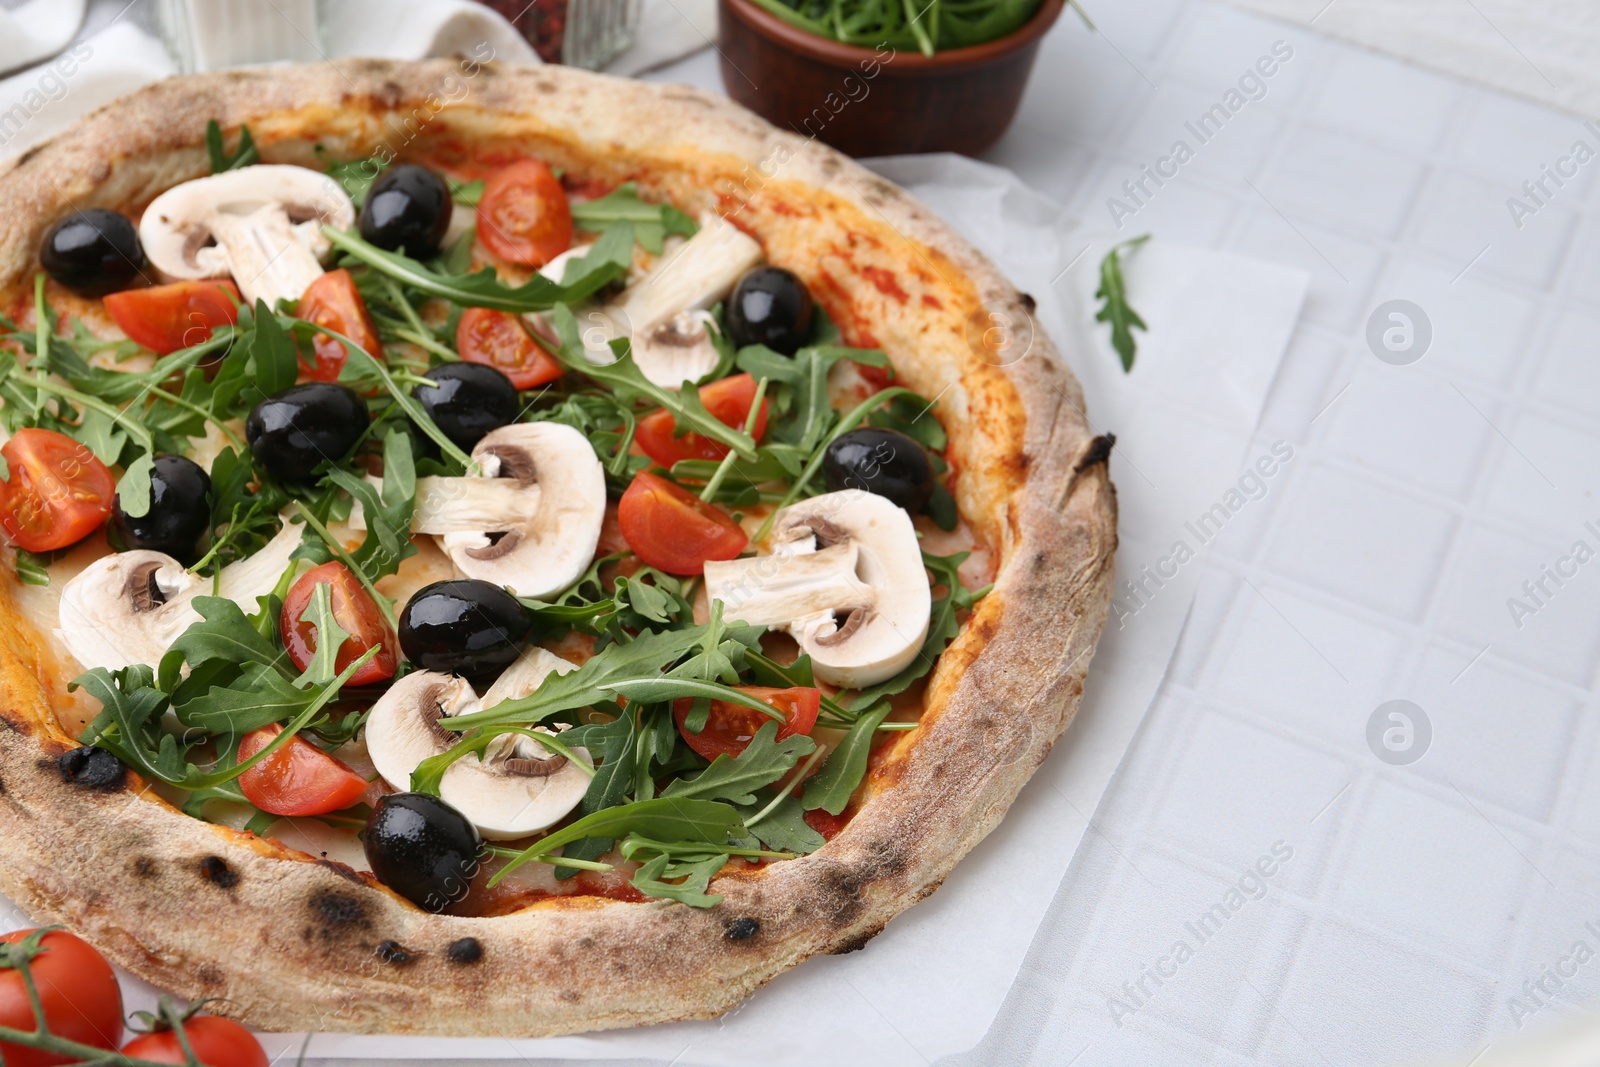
pixel 296 943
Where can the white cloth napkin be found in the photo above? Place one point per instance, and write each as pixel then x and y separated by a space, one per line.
pixel 37 29
pixel 42 101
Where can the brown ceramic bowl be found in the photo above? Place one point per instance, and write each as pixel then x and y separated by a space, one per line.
pixel 867 102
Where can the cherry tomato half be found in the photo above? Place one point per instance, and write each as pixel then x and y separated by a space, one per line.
pixel 499 340
pixel 77 989
pixel 523 215
pixel 673 530
pixel 216 1042
pixel 334 303
pixel 355 612
pixel 297 779
pixel 169 317
pixel 58 492
pixel 729 400
pixel 729 726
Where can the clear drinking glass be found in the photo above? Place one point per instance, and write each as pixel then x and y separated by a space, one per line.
pixel 214 34
pixel 578 33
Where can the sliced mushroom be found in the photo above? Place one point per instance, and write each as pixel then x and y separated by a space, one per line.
pixel 129 607
pixel 517 788
pixel 544 536
pixel 845 579
pixel 664 312
pixel 261 224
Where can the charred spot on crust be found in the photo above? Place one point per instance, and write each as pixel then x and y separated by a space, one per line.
pixel 467 950
pixel 1099 451
pixel 210 976
pixel 856 943
pixel 338 909
pixel 215 870
pixel 1028 302
pixel 144 867
pixel 394 952
pixel 741 929
pixel 92 768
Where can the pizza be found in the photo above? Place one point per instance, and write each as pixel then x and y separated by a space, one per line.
pixel 500 550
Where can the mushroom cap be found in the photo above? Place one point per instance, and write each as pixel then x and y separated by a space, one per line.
pixel 514 790
pixel 178 235
pixel 872 617
pixel 127 608
pixel 547 554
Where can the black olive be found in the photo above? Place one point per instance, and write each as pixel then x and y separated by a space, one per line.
pixel 771 307
pixel 464 626
pixel 408 206
pixel 180 510
pixel 93 252
pixel 292 432
pixel 422 848
pixel 886 462
pixel 469 400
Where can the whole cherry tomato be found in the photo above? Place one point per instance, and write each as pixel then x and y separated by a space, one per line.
pixel 77 989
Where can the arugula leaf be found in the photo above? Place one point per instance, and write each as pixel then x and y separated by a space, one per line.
pixel 830 788
pixel 129 723
pixel 806 377
pixel 467 194
pixel 355 176
pixel 784 828
pixel 387 513
pixel 608 260
pixel 272 353
pixel 257 697
pixel 223 633
pixel 615 668
pixel 243 154
pixel 133 488
pixel 736 779
pixel 708 821
pixel 1113 293
pixel 330 637
pixel 696 875
pixel 611 743
pixel 31 567
pixel 651 222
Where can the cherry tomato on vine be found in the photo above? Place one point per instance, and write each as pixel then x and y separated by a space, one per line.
pixel 57 494
pixel 217 1042
pixel 297 779
pixel 334 303
pixel 166 318
pixel 523 214
pixel 729 726
pixel 357 615
pixel 673 530
pixel 499 340
pixel 77 989
pixel 728 400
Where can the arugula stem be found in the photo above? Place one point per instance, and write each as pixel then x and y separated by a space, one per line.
pixel 404 305
pixel 403 399
pixel 424 342
pixel 710 491
pixel 135 430
pixel 794 780
pixel 556 861
pixel 385 605
pixel 189 405
pixel 844 425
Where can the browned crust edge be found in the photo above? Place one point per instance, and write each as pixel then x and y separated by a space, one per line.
pixel 295 944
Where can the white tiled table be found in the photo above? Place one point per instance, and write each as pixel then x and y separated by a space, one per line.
pixel 1419 898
